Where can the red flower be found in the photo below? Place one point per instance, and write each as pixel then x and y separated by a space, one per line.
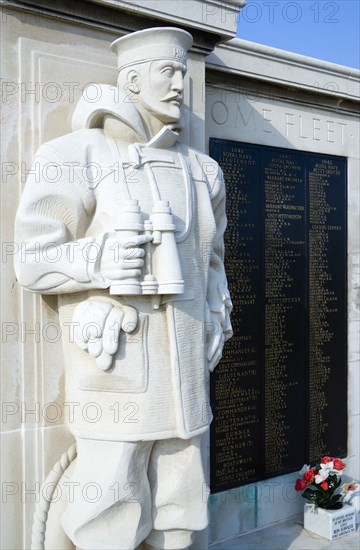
pixel 324 485
pixel 300 485
pixel 326 459
pixel 309 476
pixel 339 464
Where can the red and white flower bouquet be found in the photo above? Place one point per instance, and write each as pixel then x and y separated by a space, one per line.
pixel 319 483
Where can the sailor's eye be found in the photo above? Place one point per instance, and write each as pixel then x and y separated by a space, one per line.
pixel 168 71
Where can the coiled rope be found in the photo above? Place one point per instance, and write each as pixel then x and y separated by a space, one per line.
pixel 43 506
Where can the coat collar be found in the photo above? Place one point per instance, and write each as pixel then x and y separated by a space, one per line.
pixel 112 101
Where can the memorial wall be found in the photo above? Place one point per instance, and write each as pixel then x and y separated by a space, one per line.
pixel 286 133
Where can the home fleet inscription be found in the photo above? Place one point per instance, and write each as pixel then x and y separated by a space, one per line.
pixel 275 391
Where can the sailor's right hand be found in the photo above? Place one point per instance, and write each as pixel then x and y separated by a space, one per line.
pixel 122 257
pixel 98 326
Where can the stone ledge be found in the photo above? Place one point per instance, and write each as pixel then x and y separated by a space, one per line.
pixel 215 16
pixel 264 63
pixel 119 22
pixel 209 21
pixel 287 535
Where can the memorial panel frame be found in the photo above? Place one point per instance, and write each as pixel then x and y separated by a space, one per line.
pixel 274 243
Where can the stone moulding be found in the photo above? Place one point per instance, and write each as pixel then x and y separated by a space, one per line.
pixel 208 21
pixel 263 63
pixel 214 15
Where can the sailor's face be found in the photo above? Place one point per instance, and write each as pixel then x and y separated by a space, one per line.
pixel 161 89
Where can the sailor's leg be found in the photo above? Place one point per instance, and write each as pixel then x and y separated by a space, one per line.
pixel 179 493
pixel 111 501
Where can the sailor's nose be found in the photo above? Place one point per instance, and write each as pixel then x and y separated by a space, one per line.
pixel 178 82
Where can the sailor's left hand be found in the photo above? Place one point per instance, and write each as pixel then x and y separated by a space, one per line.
pixel 214 339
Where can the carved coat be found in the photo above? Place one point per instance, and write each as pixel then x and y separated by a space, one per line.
pixel 158 386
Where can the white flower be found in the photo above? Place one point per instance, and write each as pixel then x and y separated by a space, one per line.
pixel 322 475
pixel 328 466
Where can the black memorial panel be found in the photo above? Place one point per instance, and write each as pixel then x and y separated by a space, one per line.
pixel 279 393
pixel 284 310
pixel 236 403
pixel 327 306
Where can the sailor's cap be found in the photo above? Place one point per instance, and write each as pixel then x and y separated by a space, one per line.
pixel 152 44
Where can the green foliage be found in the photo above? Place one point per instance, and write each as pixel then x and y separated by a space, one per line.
pixel 324 498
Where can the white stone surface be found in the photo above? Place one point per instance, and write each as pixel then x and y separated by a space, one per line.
pixel 257 116
pixel 352 462
pixel 355 502
pixel 288 535
pixel 354 234
pixel 12 509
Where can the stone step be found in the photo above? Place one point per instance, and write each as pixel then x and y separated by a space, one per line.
pixel 287 535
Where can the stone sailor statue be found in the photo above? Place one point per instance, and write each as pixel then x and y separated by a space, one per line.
pixel 136 222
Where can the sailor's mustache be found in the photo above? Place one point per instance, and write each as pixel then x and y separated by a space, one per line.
pixel 171 96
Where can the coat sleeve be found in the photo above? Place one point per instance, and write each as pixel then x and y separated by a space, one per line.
pixel 52 253
pixel 218 297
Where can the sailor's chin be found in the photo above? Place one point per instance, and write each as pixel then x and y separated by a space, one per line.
pixel 173 114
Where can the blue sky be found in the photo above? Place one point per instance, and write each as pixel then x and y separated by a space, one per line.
pixel 316 28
